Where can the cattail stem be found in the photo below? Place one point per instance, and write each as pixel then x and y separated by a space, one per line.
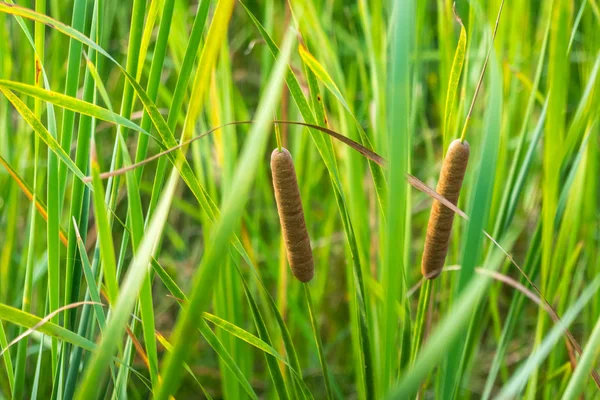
pixel 318 342
pixel 291 215
pixel 418 332
pixel 441 218
pixel 277 134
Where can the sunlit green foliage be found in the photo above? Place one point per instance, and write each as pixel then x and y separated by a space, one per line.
pixel 121 278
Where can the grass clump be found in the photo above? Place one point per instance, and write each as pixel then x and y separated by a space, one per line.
pixel 146 231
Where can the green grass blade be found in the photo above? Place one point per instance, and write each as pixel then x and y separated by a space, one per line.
pixel 42 132
pixel 91 281
pixel 27 320
pixel 7 358
pixel 584 367
pixel 38 371
pixel 19 381
pixel 100 86
pixel 71 103
pixel 393 272
pixel 105 237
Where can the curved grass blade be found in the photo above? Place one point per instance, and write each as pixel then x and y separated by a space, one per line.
pixel 41 131
pixel 43 321
pixel 100 87
pixel 27 320
pixel 43 325
pixel 153 12
pixel 369 154
pixel 71 103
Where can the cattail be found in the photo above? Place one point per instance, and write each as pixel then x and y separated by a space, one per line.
pixel 291 215
pixel 440 220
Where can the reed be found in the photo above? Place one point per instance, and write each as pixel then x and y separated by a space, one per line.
pixel 291 215
pixel 441 217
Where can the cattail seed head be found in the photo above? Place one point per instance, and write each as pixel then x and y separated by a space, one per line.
pixel 441 218
pixel 291 215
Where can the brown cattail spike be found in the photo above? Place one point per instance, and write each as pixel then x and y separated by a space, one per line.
pixel 291 215
pixel 440 220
